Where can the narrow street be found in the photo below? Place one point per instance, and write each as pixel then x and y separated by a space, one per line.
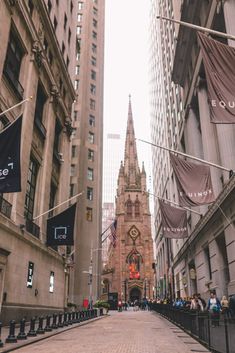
pixel 126 332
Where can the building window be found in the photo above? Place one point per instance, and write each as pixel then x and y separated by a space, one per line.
pixel 77 70
pixel 3 122
pixel 208 261
pixel 79 30
pixel 89 193
pixel 94 35
pixel 52 198
pixel 93 61
pixel 91 120
pixel 95 1
pixel 71 192
pixel 30 274
pixel 63 48
pixel 72 170
pixel 12 63
pixel 55 23
pixel 79 17
pixel 93 75
pixel 94 23
pixel 95 11
pixel 89 214
pixel 50 57
pixel 58 130
pixel 90 174
pixel 76 84
pixel 30 189
pixel 74 151
pixel 75 115
pixel 91 155
pixel 65 21
pixel 92 104
pixel 51 283
pixel 67 62
pixel 91 137
pixel 93 89
pixel 49 6
pixel 31 6
pixel 80 5
pixel 94 48
pixel 71 6
pixel 40 103
pixel 69 36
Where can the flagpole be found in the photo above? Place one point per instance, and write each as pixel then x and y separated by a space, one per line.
pixel 199 28
pixel 62 203
pixel 174 203
pixel 16 105
pixel 105 230
pixel 188 155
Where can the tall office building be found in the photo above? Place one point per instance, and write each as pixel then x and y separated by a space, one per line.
pixel 204 261
pixel 36 59
pixel 111 163
pixel 87 145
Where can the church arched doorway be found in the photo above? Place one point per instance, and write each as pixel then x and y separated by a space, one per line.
pixel 135 294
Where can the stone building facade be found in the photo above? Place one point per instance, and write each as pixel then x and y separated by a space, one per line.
pixel 204 261
pixel 37 47
pixel 129 269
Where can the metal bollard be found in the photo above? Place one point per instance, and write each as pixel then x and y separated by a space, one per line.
pixel 78 316
pixel 70 319
pixel 32 332
pixel 22 335
pixel 1 343
pixel 66 322
pixel 54 324
pixel 48 324
pixel 40 329
pixel 60 323
pixel 11 337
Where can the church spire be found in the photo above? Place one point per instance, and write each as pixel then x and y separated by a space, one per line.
pixel 131 166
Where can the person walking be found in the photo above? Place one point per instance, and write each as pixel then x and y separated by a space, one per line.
pixel 214 308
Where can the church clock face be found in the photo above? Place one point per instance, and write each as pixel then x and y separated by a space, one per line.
pixel 134 233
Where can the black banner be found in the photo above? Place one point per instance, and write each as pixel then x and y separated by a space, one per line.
pixel 60 228
pixel 10 170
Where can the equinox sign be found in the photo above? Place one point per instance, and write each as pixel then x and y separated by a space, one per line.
pixel 4 172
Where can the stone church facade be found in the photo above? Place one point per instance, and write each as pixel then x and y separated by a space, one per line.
pixel 129 269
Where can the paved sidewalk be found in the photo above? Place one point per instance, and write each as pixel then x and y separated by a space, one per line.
pixel 125 332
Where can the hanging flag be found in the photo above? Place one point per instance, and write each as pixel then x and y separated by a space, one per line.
pixel 10 170
pixel 174 221
pixel 60 227
pixel 193 182
pixel 219 63
pixel 113 233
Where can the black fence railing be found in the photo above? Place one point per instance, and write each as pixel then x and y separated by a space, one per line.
pixel 40 325
pixel 32 228
pixel 217 333
pixel 5 207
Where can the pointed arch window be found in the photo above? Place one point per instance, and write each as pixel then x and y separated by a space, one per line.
pixel 129 207
pixel 137 207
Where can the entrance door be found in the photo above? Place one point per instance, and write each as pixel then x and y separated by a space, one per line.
pixel 135 294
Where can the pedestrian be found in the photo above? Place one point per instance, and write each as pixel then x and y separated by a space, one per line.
pixel 225 307
pixel 232 305
pixel 119 305
pixel 196 303
pixel 214 307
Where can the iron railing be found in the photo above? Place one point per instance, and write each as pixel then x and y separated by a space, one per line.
pixel 215 332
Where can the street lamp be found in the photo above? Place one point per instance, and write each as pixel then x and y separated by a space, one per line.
pixel 90 272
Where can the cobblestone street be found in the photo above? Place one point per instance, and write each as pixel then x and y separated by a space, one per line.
pixel 126 332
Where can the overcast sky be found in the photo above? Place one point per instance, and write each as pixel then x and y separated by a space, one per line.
pixel 126 70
